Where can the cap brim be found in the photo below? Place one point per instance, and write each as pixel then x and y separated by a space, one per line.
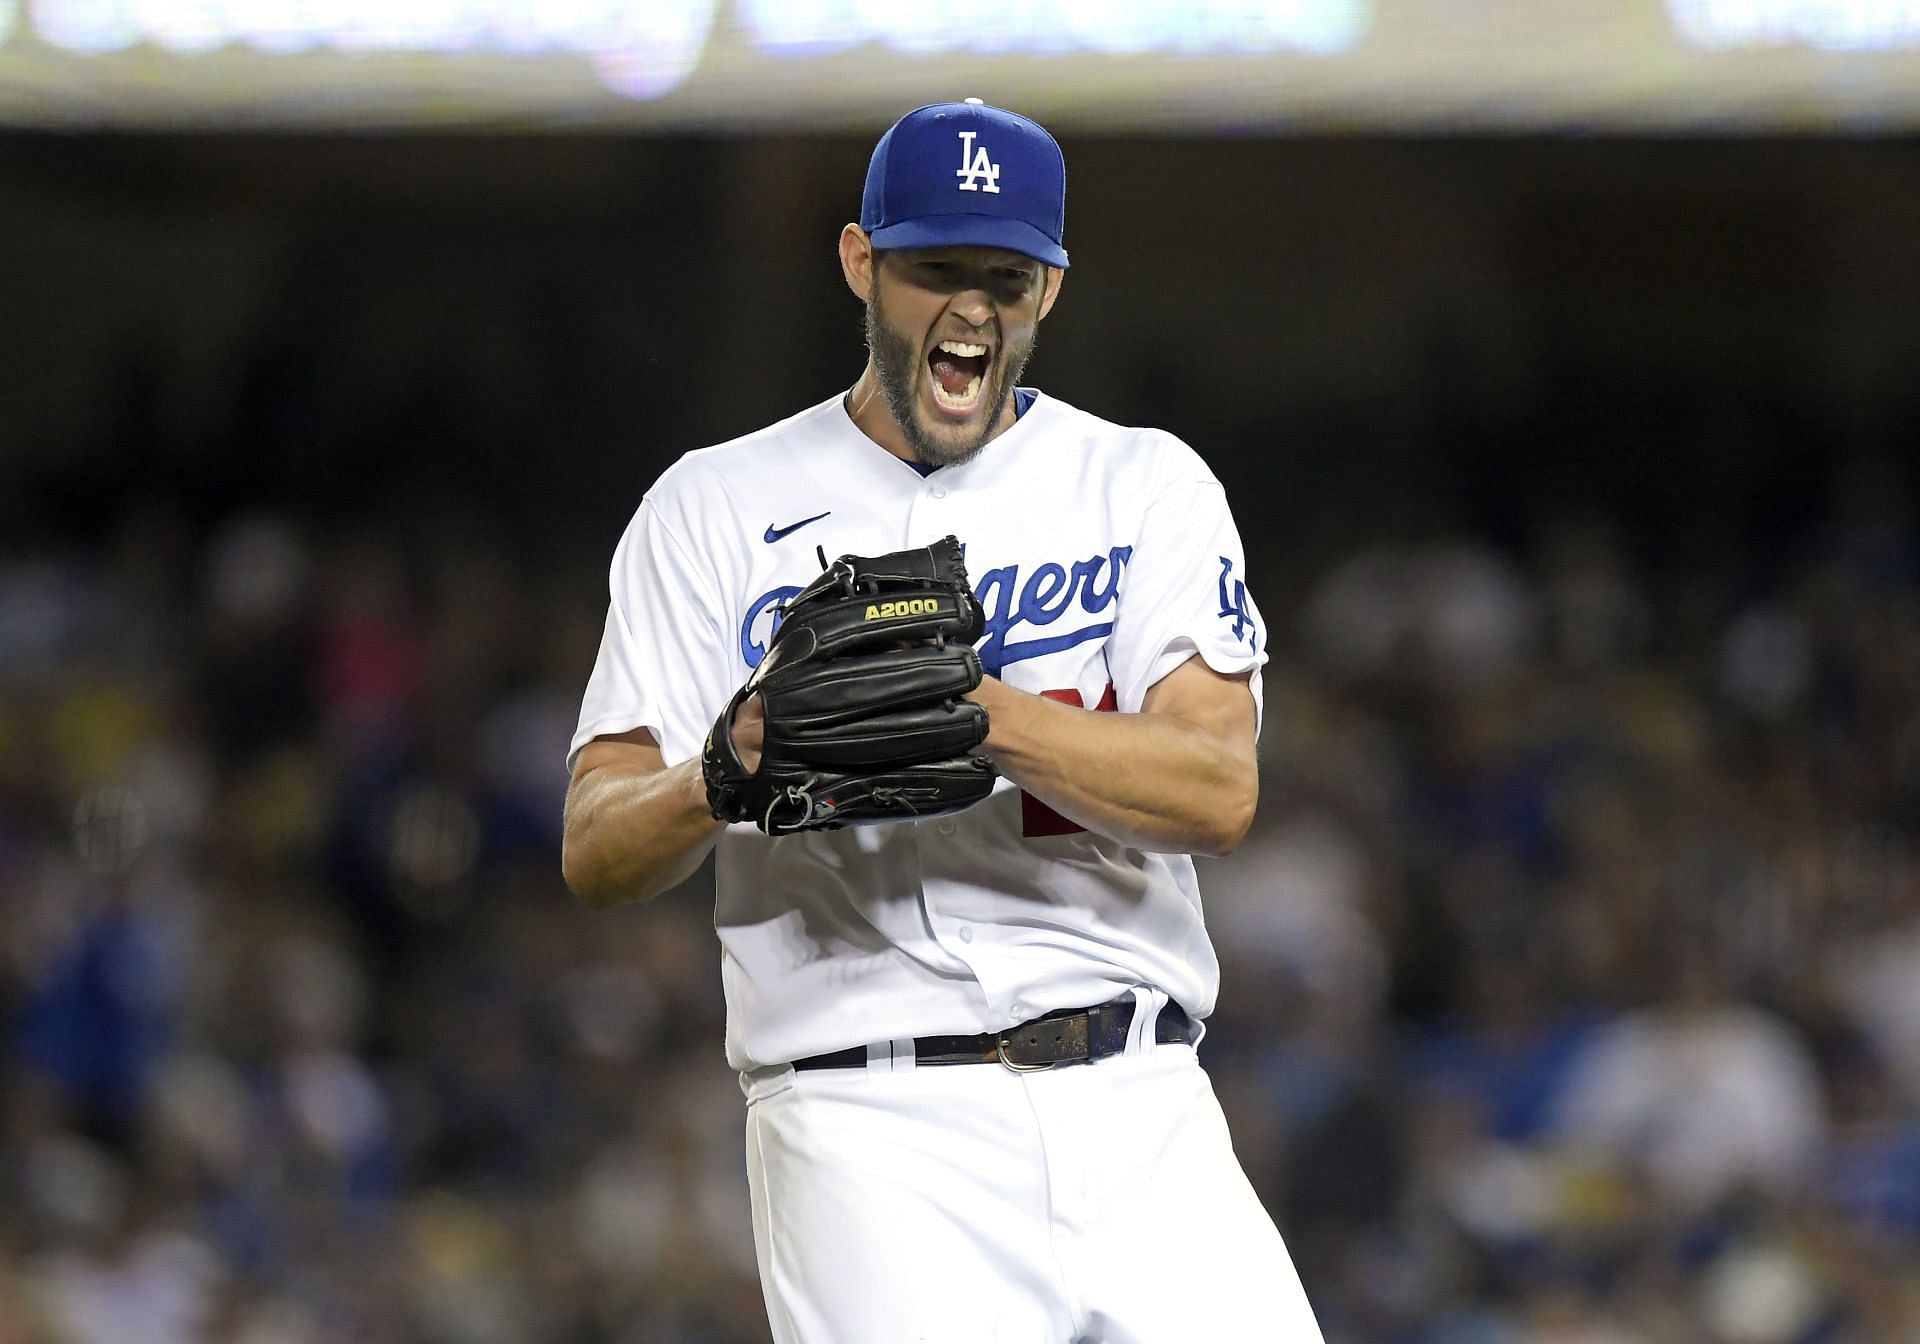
pixel 972 231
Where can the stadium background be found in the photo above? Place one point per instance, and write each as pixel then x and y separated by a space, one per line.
pixel 1572 971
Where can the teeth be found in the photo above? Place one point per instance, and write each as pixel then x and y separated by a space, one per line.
pixel 961 402
pixel 963 349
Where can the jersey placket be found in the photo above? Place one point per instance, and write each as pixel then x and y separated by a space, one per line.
pixel 937 510
pixel 935 842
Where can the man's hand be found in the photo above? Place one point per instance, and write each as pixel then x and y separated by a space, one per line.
pixel 749 730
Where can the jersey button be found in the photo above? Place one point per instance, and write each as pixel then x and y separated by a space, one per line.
pixel 966 933
pixel 938 491
pixel 945 828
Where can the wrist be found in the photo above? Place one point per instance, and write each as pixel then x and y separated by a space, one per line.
pixel 694 795
pixel 1007 713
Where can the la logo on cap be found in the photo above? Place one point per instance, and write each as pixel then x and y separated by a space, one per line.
pixel 977 172
pixel 975 166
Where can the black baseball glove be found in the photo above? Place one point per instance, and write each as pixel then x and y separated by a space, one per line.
pixel 861 686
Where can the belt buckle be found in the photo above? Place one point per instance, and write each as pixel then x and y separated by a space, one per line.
pixel 1000 1049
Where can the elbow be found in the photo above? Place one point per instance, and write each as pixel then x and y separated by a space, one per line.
pixel 1220 840
pixel 600 885
pixel 577 868
pixel 1228 826
pixel 584 862
pixel 581 877
pixel 595 890
pixel 586 876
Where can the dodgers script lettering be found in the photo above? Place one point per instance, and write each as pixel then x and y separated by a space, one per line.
pixel 1015 605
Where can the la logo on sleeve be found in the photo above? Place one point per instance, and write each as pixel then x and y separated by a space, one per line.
pixel 1233 603
pixel 976 168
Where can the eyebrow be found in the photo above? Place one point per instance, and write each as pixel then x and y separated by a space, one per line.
pixel 1004 261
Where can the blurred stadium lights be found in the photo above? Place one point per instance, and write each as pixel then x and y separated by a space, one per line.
pixel 1058 27
pixel 667 35
pixel 675 31
pixel 806 65
pixel 1830 25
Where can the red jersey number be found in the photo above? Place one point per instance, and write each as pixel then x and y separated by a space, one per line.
pixel 1036 818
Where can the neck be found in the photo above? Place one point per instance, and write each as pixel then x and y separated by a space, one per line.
pixel 867 408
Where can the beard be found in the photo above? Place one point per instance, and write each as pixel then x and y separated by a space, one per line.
pixel 900 365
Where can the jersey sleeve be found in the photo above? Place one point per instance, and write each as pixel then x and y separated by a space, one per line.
pixel 1185 593
pixel 662 663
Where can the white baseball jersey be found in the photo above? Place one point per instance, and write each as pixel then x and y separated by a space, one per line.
pixel 1104 557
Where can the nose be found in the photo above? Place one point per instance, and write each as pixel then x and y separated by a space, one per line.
pixel 973 306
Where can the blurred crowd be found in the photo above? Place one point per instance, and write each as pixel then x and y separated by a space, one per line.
pixel 1571 975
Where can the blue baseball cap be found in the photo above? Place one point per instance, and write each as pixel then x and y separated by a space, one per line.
pixel 966 173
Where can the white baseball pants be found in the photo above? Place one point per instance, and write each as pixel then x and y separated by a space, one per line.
pixel 1094 1203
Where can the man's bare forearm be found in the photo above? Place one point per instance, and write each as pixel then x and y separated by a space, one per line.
pixel 632 834
pixel 1155 781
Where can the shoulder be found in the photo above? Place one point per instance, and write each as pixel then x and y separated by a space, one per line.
pixel 1155 458
pixel 728 475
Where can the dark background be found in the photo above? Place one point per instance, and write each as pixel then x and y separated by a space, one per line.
pixel 1437 327
pixel 1573 966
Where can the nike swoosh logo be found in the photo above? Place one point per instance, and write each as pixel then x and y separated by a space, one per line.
pixel 775 533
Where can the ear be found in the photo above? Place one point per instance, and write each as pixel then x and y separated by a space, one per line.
pixel 857 261
pixel 1050 288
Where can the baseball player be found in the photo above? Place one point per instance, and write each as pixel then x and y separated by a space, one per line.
pixel 953 777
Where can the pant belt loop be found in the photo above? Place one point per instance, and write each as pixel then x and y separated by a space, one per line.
pixel 891 1056
pixel 1147 1003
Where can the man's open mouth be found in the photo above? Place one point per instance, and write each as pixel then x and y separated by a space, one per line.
pixel 959 371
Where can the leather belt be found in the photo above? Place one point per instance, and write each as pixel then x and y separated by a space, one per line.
pixel 1069 1036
